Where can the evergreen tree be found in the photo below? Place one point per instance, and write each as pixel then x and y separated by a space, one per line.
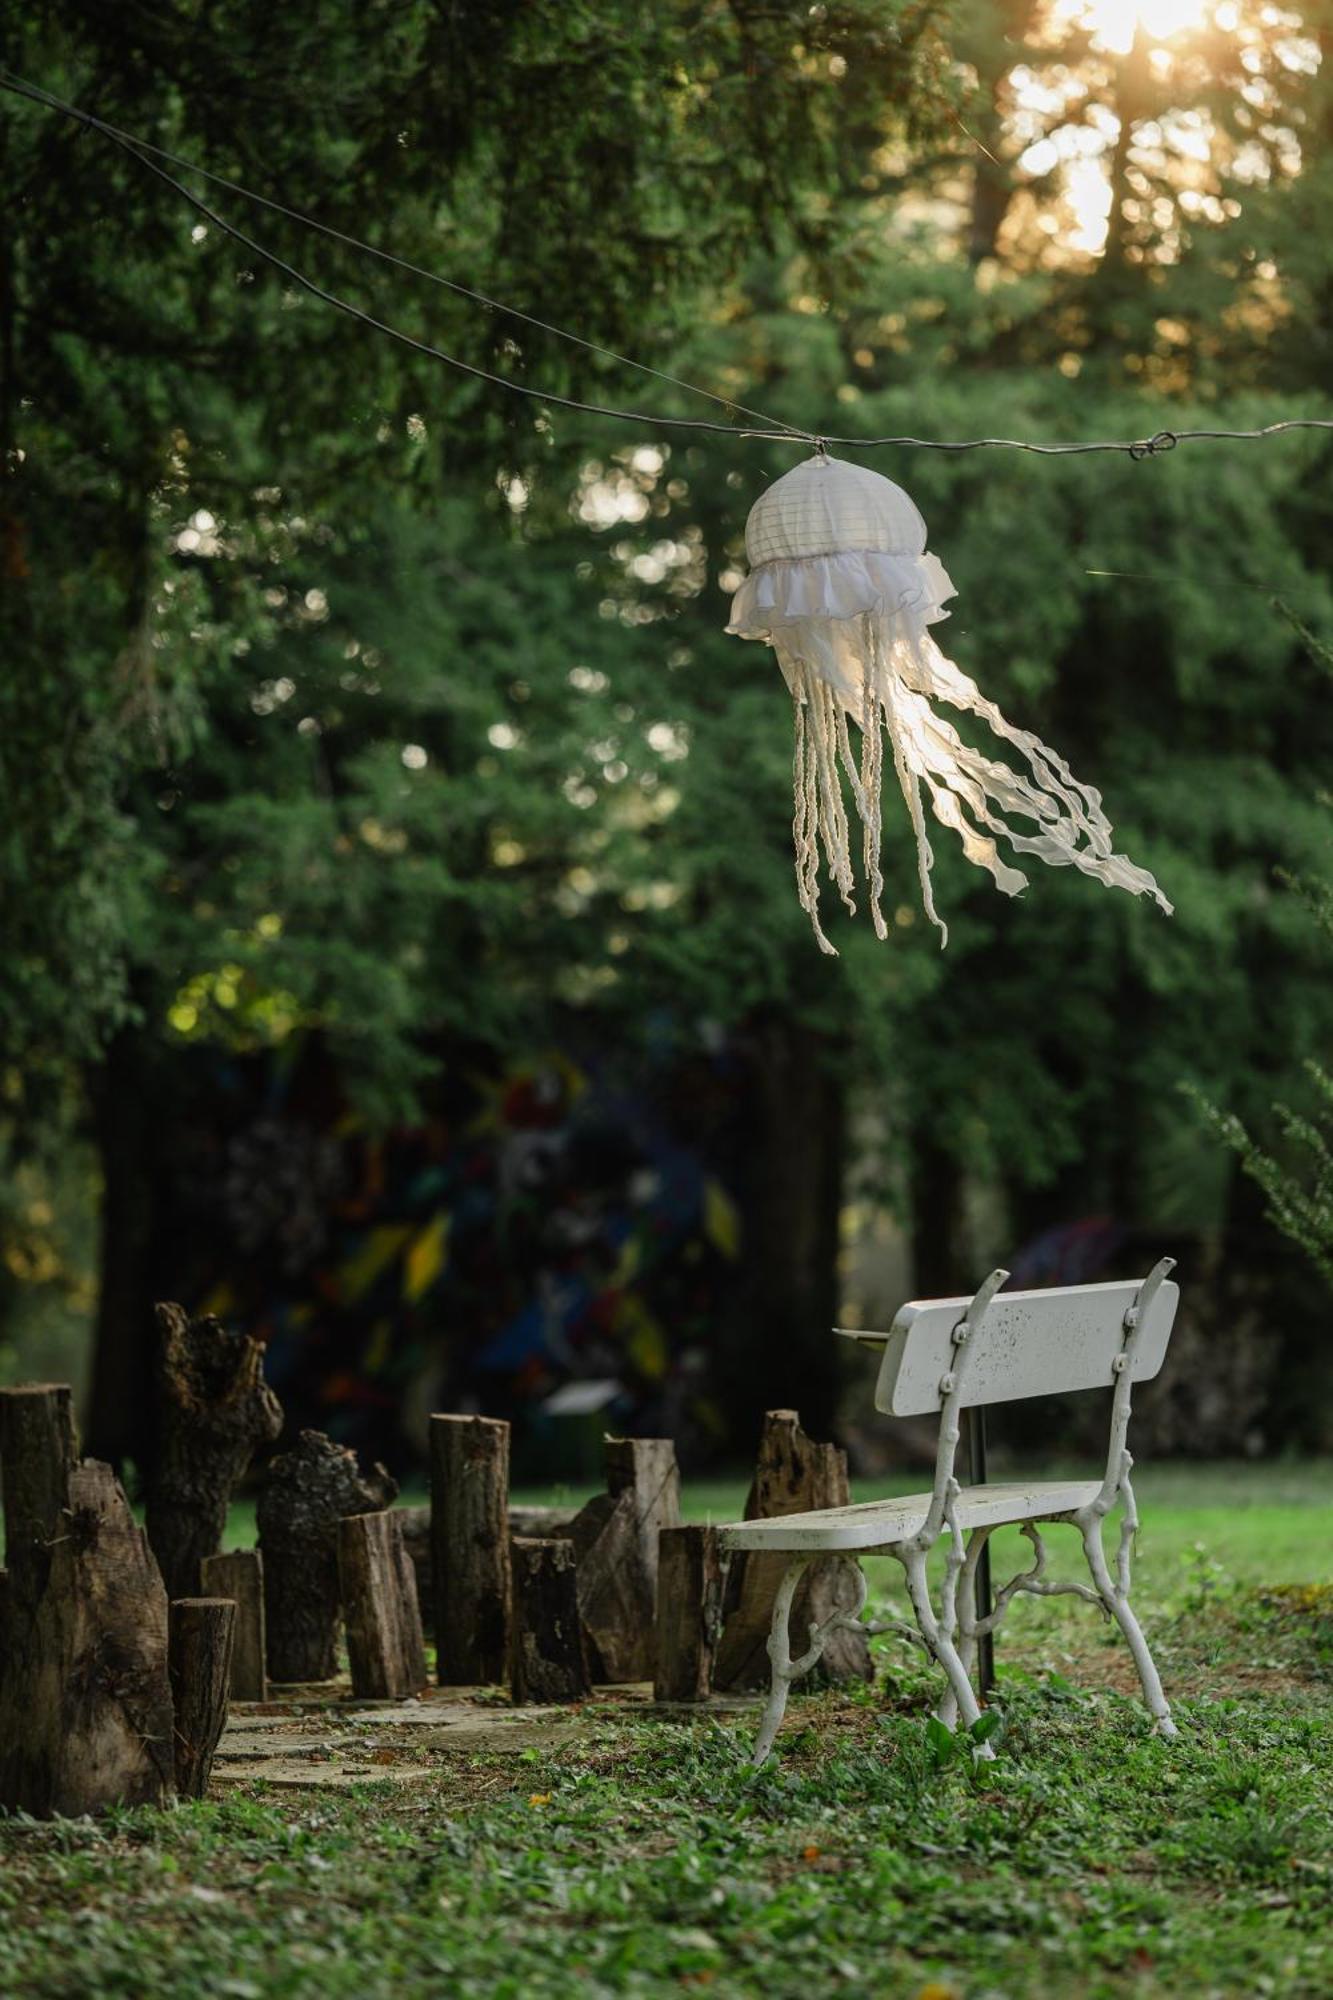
pixel 198 456
pixel 351 699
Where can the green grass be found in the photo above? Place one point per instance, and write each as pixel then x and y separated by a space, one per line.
pixel 1262 1522
pixel 640 1856
pixel 1258 1521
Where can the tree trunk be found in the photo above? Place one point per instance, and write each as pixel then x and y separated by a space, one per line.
pixel 938 1253
pixel 793 1475
pixel 1132 101
pixel 991 53
pixel 201 1641
pixel 782 1349
pixel 85 1699
pixel 124 1099
pixel 214 1410
pixel 992 192
pixel 307 1492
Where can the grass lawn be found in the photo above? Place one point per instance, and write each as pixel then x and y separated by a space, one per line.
pixel 639 1855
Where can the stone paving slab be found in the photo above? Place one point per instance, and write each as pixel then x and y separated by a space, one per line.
pixel 318 1736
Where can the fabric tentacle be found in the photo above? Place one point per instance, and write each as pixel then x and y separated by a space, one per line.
pixel 843 588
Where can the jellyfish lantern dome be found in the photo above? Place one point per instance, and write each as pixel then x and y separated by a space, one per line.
pixel 843 588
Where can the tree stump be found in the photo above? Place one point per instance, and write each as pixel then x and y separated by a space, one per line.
pixel 469 1484
pixel 646 1467
pixel 307 1492
pixel 793 1475
pixel 379 1592
pixel 85 1698
pixel 689 1613
pixel 240 1576
pixel 542 1524
pixel 615 1543
pixel 214 1410
pixel 548 1661
pixel 201 1638
pixel 416 1540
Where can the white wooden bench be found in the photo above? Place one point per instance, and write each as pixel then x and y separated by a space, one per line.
pixel 955 1354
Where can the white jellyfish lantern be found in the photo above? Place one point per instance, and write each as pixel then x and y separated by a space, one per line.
pixel 842 587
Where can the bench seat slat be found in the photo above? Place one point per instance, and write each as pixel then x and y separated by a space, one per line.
pixel 877 1524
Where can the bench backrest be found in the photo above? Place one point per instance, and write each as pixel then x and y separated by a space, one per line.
pixel 1029 1344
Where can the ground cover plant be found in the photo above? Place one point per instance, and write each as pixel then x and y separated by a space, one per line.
pixel 636 1854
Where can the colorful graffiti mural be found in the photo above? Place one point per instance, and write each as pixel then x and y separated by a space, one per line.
pixel 566 1219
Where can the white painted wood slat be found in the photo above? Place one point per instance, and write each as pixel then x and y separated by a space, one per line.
pixel 1041 1343
pixel 877 1524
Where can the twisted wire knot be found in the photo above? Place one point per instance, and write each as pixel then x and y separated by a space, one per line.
pixel 1150 447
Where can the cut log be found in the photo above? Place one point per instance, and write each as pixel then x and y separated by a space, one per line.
pixel 646 1467
pixel 469 1483
pixel 201 1641
pixel 85 1698
pixel 416 1540
pixel 214 1410
pixel 615 1543
pixel 541 1524
pixel 548 1661
pixel 614 1604
pixel 379 1591
pixel 39 1449
pixel 793 1475
pixel 240 1576
pixel 307 1492
pixel 689 1613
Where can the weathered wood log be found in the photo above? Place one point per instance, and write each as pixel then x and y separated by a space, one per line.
pixel 615 1543
pixel 470 1562
pixel 306 1493
pixel 646 1467
pixel 548 1661
pixel 793 1474
pixel 541 1524
pixel 85 1698
pixel 416 1540
pixel 201 1642
pixel 240 1576
pixel 613 1593
pixel 39 1449
pixel 214 1410
pixel 689 1613
pixel 379 1591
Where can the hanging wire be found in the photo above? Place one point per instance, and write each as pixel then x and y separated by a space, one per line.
pixel 201 207
pixel 779 432
pixel 129 139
